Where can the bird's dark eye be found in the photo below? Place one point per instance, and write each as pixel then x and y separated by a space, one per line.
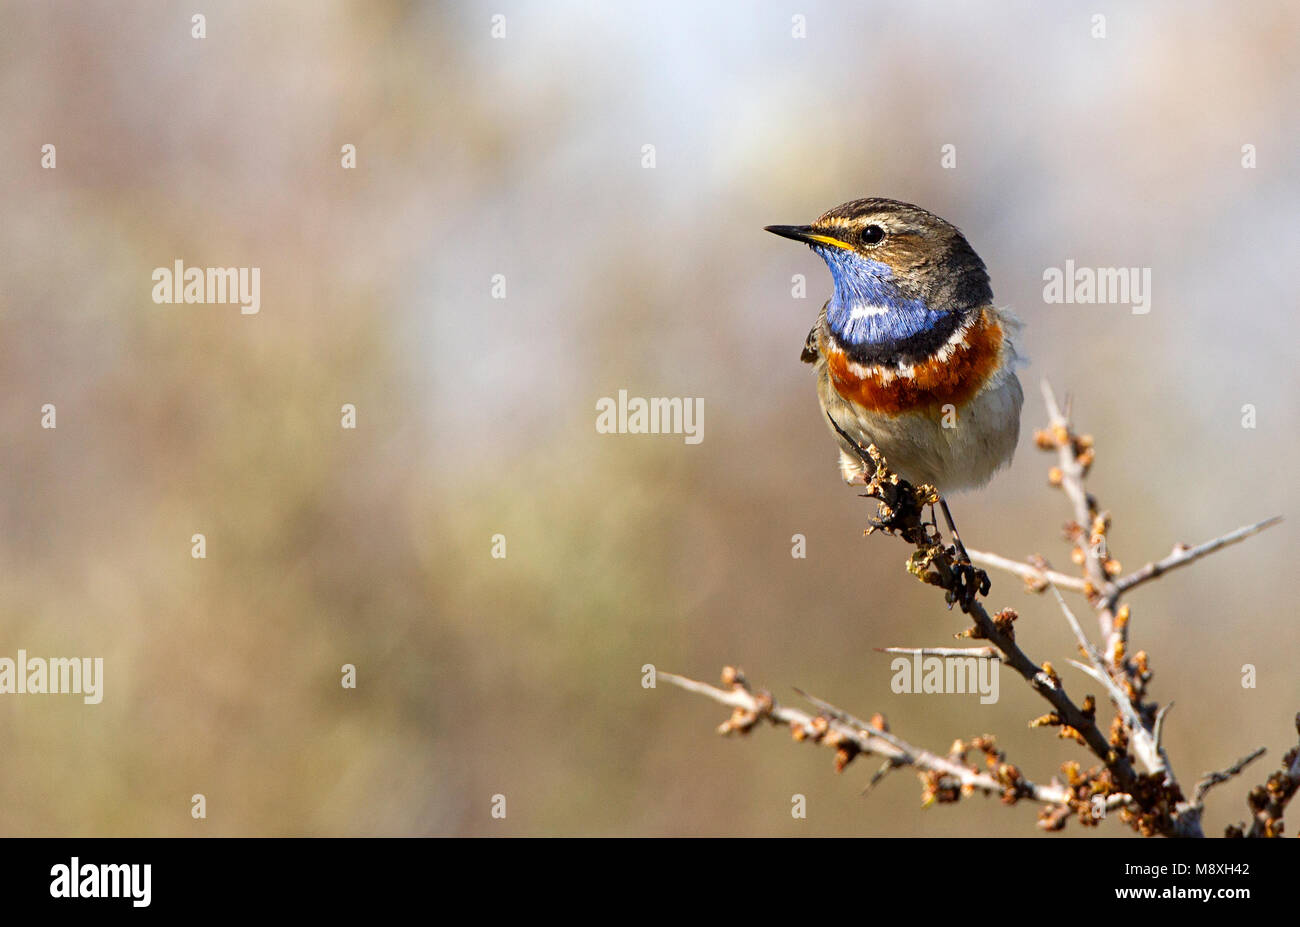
pixel 872 235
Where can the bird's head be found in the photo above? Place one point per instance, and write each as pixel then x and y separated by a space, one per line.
pixel 905 279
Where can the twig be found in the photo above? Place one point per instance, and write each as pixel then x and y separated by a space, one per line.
pixel 1268 801
pixel 1182 556
pixel 1035 578
pixel 1157 734
pixel 1072 476
pixel 866 738
pixel 1143 743
pixel 1085 645
pixel 1211 779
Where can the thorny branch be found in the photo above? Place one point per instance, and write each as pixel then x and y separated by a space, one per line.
pixel 1037 576
pixel 1182 556
pixel 946 776
pixel 1268 801
pixel 1211 779
pixel 1133 772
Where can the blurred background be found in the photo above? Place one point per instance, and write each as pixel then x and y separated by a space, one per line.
pixel 522 156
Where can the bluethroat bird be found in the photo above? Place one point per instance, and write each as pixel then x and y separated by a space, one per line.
pixel 910 353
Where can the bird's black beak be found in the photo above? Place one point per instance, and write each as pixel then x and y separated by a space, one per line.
pixel 802 233
pixel 807 234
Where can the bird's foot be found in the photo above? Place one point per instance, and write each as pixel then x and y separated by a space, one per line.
pixel 969 582
pixel 900 507
pixel 891 515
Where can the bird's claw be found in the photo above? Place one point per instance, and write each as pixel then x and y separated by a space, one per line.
pixel 969 582
pixel 888 518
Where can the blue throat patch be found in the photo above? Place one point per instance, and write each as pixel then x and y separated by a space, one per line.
pixel 869 310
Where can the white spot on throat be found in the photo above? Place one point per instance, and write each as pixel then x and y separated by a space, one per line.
pixel 866 312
